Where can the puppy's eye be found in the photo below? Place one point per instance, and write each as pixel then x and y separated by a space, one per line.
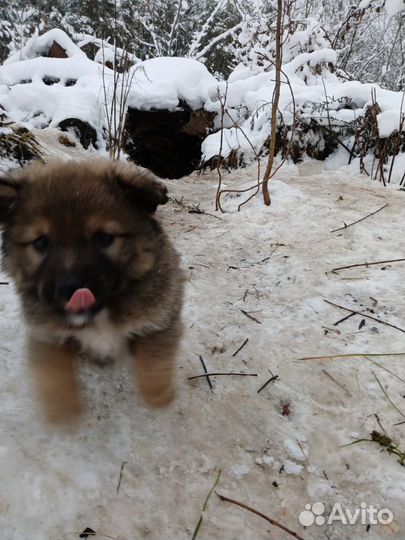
pixel 102 239
pixel 41 244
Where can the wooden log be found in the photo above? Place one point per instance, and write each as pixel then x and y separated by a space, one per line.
pixel 56 51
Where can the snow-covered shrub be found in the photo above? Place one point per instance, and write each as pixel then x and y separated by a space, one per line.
pixel 302 37
pixel 18 146
pixel 319 109
pixel 308 67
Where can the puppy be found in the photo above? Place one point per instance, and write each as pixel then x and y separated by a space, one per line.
pixel 95 272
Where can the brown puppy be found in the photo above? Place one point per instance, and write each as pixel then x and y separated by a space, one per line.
pixel 95 272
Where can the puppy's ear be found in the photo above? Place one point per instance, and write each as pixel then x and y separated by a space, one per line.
pixel 141 187
pixel 10 188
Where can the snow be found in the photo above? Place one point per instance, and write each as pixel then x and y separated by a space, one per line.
pixel 392 7
pixel 274 263
pixel 162 82
pixel 38 45
pixel 36 69
pixel 27 100
pixel 295 450
pixel 79 87
pixel 291 467
pixel 104 55
pixel 388 121
pixel 265 460
pixel 253 95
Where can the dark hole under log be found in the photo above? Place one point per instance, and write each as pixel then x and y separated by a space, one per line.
pixel 167 142
pixel 83 131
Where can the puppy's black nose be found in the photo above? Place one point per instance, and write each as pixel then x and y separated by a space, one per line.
pixel 65 289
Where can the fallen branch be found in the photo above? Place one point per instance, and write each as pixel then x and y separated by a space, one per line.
pixel 197 210
pixel 240 348
pixel 344 319
pixel 365 315
pixel 120 477
pixel 358 221
pixel 206 371
pixel 247 314
pixel 216 374
pixel 331 356
pixel 263 386
pixel 267 518
pixel 366 264
pixel 337 382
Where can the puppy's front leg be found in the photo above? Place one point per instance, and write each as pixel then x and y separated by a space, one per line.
pixel 155 360
pixel 53 370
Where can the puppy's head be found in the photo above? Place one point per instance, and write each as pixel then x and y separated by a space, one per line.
pixel 78 236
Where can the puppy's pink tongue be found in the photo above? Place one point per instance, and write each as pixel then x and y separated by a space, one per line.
pixel 80 300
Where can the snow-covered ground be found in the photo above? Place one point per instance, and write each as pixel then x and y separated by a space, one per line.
pixel 279 449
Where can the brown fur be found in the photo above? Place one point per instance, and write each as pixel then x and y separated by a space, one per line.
pixel 136 280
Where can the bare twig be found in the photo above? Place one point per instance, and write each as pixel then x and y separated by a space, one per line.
pixel 115 97
pixel 257 157
pixel 240 348
pixel 204 508
pixel 120 477
pixel 358 221
pixel 365 315
pixel 385 369
pixel 215 374
pixel 360 355
pixel 222 100
pixel 206 371
pixel 337 382
pixel 197 210
pixel 397 143
pixel 247 314
pixel 263 386
pixel 343 319
pixel 379 422
pixel 267 518
pixel 387 396
pixel 366 264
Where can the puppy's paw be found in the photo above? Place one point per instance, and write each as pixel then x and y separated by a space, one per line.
pixel 159 400
pixel 62 412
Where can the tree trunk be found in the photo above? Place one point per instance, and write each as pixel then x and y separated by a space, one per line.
pixel 274 107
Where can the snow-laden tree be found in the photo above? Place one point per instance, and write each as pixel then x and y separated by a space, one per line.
pixel 18 21
pixel 369 36
pixel 200 29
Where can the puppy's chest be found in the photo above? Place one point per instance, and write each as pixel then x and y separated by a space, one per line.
pixel 103 340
